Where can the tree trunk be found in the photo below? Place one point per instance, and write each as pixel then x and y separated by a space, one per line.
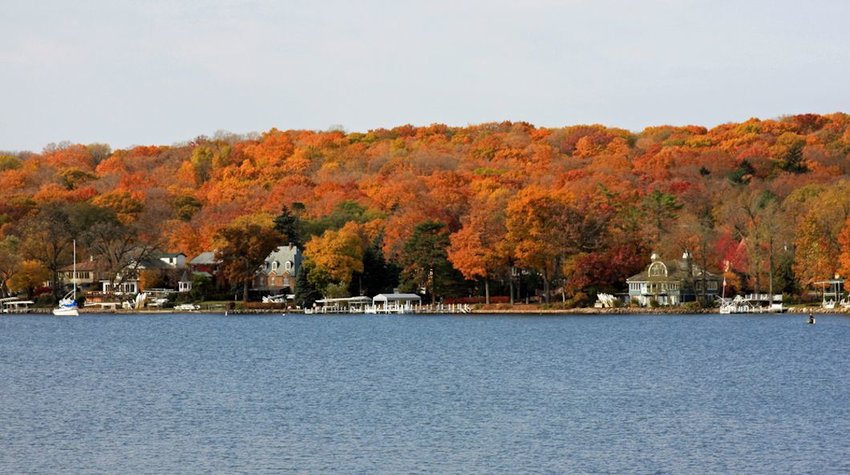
pixel 770 270
pixel 511 287
pixel 486 290
pixel 545 288
pixel 564 292
pixel 757 280
pixel 57 294
pixel 430 285
pixel 245 291
pixel 55 285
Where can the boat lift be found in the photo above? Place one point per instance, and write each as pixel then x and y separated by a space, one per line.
pixel 832 291
pixel 15 305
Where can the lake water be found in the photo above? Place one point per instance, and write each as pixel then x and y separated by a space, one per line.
pixel 424 394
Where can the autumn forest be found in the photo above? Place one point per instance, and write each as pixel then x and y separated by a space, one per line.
pixel 502 209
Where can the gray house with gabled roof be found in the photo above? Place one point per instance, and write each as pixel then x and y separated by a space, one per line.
pixel 672 282
pixel 279 270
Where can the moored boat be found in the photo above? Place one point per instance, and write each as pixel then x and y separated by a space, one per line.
pixel 68 304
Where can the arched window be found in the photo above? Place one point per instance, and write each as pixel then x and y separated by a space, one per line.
pixel 287 265
pixel 657 269
pixel 274 265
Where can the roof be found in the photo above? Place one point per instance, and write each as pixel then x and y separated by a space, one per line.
pixel 84 266
pixel 154 262
pixel 672 270
pixel 205 258
pixel 361 299
pixel 281 255
pixel 171 254
pixel 396 298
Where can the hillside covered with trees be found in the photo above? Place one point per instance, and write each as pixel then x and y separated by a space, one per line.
pixel 504 208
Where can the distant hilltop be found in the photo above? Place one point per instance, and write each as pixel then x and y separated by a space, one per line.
pixel 508 208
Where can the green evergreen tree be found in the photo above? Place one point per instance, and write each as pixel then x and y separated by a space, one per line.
pixel 305 292
pixel 378 275
pixel 426 265
pixel 288 224
pixel 743 174
pixel 661 209
pixel 793 160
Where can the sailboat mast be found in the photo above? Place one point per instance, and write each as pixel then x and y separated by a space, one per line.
pixel 75 269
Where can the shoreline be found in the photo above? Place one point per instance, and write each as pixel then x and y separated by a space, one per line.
pixel 526 310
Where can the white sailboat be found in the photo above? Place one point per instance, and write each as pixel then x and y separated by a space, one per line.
pixel 726 305
pixel 68 304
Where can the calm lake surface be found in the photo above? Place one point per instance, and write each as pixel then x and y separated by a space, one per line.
pixel 424 394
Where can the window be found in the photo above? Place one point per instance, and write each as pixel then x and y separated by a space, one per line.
pixel 274 265
pixel 657 269
pixel 287 265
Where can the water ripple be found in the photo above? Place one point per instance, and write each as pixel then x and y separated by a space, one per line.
pixel 376 394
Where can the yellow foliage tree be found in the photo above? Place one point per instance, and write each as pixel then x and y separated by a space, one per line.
pixel 336 255
pixel 30 274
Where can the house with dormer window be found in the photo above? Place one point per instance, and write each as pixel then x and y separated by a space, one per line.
pixel 672 282
pixel 278 270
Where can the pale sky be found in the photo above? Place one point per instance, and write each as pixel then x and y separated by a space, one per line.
pixel 166 71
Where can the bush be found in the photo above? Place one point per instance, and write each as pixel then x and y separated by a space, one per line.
pixel 580 299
